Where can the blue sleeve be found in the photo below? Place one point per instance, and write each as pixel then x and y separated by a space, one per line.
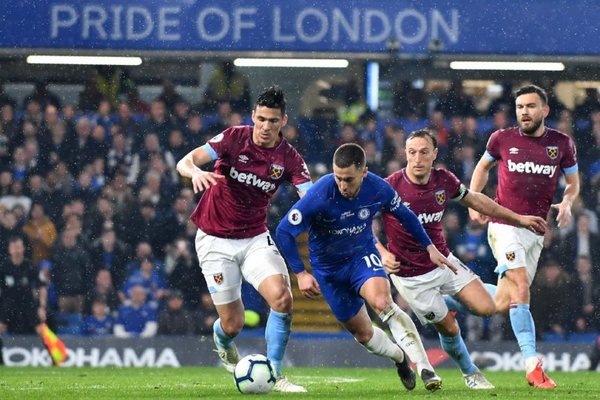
pixel 296 221
pixel 408 219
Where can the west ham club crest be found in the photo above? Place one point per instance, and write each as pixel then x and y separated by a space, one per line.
pixel 440 197
pixel 552 152
pixel 276 171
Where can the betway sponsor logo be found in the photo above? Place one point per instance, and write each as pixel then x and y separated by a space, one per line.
pixel 251 179
pixel 530 167
pixel 93 357
pixel 432 217
pixel 351 230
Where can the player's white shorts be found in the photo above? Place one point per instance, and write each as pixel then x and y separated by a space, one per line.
pixel 225 262
pixel 515 247
pixel 424 293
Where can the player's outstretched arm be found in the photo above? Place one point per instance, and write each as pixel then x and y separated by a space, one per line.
pixel 478 181
pixel 189 165
pixel 486 206
pixel 564 207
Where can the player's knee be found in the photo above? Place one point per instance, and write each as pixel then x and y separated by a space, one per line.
pixel 487 309
pixel 281 300
pixel 380 303
pixel 502 306
pixel 362 335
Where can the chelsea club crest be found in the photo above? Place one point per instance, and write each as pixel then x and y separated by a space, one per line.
pixel 364 213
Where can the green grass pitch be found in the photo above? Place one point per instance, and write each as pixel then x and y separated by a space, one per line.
pixel 322 383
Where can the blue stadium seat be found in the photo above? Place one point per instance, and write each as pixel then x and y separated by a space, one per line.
pixel 69 323
pixel 551 337
pixel 589 338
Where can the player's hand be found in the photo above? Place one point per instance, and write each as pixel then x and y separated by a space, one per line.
pixel 564 213
pixel 438 259
pixel 202 180
pixel 478 217
pixel 389 262
pixel 533 223
pixel 308 285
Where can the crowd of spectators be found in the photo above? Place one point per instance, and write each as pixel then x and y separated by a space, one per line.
pixel 91 187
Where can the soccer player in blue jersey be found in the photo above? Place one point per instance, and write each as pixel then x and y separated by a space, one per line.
pixel 338 212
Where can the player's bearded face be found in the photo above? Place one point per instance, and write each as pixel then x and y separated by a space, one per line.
pixel 267 125
pixel 530 112
pixel 349 180
pixel 420 155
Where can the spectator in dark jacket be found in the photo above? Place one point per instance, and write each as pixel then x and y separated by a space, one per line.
pixel 71 273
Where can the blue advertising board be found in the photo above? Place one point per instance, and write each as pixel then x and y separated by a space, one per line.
pixel 539 27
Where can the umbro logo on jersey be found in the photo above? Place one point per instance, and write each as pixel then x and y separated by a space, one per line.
pixel 513 150
pixel 243 158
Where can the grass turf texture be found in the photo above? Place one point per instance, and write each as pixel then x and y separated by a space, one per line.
pixel 322 383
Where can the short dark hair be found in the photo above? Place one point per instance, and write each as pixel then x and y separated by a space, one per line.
pixel 423 133
pixel 350 154
pixel 533 89
pixel 272 97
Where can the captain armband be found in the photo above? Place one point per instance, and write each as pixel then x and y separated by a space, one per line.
pixel 462 192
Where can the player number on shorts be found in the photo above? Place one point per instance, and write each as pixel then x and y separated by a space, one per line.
pixel 269 241
pixel 372 260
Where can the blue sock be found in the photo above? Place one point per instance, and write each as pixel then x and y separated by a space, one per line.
pixel 524 329
pixel 454 304
pixel 222 339
pixel 456 348
pixel 277 333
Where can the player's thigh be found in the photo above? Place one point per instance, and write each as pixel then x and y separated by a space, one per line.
pixel 514 248
pixel 506 246
pixel 453 283
pixel 422 293
pixel 368 278
pixel 476 297
pixel 220 268
pixel 262 261
pixel 342 298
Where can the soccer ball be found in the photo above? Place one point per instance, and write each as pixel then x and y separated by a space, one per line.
pixel 254 374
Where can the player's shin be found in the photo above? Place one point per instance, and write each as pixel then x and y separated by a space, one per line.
pixel 277 334
pixel 381 345
pixel 524 330
pixel 406 335
pixel 221 338
pixel 456 348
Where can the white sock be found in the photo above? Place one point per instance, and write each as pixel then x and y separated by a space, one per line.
pixel 406 335
pixel 531 363
pixel 381 345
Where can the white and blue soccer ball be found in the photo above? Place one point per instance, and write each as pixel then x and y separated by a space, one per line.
pixel 254 374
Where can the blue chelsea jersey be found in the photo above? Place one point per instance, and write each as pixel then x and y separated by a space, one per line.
pixel 340 228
